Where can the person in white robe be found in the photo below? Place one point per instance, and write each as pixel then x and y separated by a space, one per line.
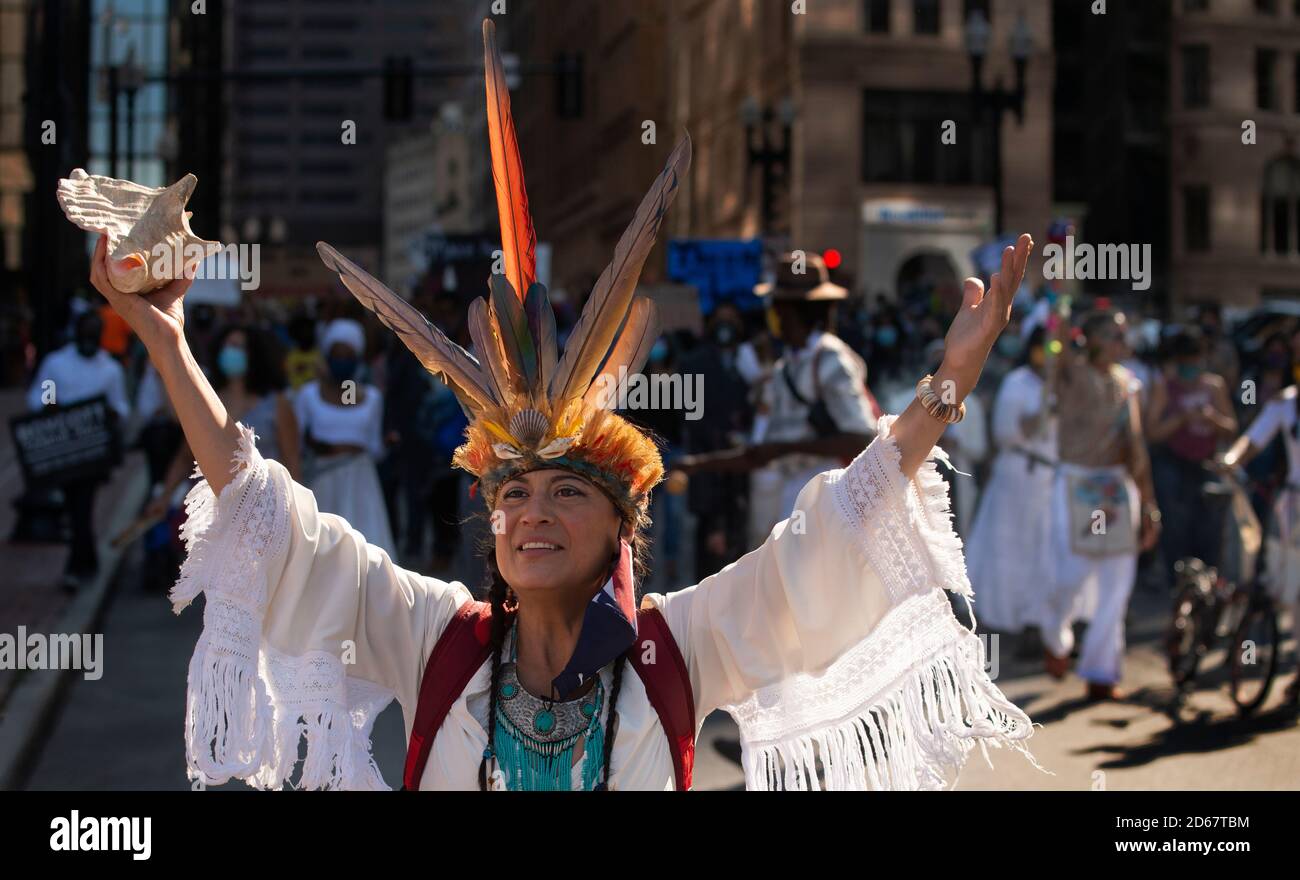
pixel 342 421
pixel 829 635
pixel 817 369
pixel 1282 541
pixel 1014 507
pixel 833 644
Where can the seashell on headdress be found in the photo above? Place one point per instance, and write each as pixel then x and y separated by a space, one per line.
pixel 529 407
pixel 149 237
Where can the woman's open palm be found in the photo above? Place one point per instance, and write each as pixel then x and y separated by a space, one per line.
pixel 984 314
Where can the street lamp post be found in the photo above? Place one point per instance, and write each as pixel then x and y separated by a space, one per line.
pixel 773 159
pixel 130 80
pixel 991 104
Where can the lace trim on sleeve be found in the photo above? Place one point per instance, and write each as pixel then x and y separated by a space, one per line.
pixel 901 710
pixel 904 706
pixel 247 704
pixel 903 526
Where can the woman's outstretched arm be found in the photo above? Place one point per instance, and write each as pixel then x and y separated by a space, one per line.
pixel 158 318
pixel 982 318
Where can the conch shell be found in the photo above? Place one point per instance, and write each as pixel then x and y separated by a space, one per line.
pixel 149 237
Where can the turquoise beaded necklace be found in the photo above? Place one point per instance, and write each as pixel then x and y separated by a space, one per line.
pixel 535 738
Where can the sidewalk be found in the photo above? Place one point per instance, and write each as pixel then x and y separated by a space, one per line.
pixel 30 593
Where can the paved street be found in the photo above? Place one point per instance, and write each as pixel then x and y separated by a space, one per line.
pixel 124 731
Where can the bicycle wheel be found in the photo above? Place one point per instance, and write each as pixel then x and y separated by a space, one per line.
pixel 1254 657
pixel 1183 641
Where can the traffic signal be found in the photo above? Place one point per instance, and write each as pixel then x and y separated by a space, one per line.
pixel 398 88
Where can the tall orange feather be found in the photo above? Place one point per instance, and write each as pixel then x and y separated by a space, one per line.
pixel 518 239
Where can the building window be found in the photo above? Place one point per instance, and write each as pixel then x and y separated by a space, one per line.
pixel 1196 76
pixel 901 140
pixel 1196 218
pixel 876 12
pixel 925 16
pixel 1266 7
pixel 143 27
pixel 1265 88
pixel 1279 229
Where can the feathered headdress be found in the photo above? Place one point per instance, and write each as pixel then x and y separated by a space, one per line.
pixel 528 406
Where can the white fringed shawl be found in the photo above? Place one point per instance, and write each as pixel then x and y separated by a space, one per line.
pixel 899 697
pixel 248 705
pixel 903 707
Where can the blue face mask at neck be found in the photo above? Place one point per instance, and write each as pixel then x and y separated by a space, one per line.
pixel 233 362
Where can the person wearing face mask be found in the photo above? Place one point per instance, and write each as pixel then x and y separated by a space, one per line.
pixel 666 421
pixel 77 372
pixel 720 501
pixel 1190 416
pixel 248 377
pixel 885 344
pixel 814 410
pixel 341 421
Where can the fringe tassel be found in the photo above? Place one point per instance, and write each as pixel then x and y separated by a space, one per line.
pixel 911 739
pixel 227 719
pixel 934 521
pixel 238 724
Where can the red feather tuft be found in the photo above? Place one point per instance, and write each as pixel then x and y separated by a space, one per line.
pixel 518 239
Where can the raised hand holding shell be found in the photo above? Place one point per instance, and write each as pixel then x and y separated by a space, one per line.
pixel 149 237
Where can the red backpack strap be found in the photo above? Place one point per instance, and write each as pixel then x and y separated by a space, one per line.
pixel 462 648
pixel 668 685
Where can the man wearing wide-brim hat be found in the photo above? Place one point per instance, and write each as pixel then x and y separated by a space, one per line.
pixel 816 367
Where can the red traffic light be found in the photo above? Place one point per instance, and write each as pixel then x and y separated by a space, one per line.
pixel 832 258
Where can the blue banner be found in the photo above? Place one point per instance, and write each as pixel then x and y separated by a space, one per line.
pixel 722 270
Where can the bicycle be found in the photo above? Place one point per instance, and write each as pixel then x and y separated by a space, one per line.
pixel 1226 605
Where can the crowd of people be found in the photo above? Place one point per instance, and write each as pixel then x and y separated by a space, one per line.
pixel 1074 417
pixel 1106 438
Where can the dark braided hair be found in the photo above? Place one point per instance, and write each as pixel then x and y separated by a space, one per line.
pixel 611 723
pixel 498 592
pixel 498 595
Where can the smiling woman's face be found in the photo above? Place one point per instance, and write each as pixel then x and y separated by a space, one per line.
pixel 559 533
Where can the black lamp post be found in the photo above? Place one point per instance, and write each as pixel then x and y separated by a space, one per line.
pixel 771 156
pixel 129 79
pixel 990 105
pixel 122 77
